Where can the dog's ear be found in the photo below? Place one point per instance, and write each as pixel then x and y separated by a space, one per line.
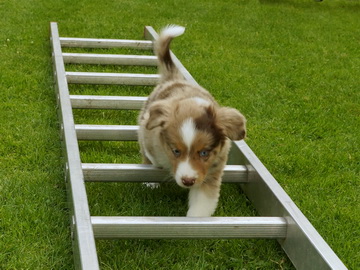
pixel 158 114
pixel 232 122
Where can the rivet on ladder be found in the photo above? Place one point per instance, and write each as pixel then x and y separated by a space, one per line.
pixel 66 172
pixel 57 101
pixel 73 227
pixel 61 132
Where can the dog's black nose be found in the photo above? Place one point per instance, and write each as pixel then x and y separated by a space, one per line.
pixel 188 181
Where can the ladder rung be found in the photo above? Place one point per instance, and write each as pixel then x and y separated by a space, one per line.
pixel 109 59
pixel 94 172
pixel 106 132
pixel 112 78
pixel 105 43
pixel 184 227
pixel 107 102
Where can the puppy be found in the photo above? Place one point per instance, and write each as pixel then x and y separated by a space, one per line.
pixel 184 130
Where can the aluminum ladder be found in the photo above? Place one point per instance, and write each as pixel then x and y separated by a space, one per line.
pixel 280 218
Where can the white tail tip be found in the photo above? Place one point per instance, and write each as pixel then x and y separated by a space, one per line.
pixel 173 30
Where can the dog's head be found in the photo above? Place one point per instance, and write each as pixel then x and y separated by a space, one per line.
pixel 193 132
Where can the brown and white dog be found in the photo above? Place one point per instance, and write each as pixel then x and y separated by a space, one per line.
pixel 184 130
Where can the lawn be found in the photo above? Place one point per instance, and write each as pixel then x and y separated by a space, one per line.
pixel 290 66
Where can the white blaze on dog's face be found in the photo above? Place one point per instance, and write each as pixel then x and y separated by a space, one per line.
pixel 185 175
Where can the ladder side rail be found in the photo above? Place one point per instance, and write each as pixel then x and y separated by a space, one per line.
pixel 85 254
pixel 303 244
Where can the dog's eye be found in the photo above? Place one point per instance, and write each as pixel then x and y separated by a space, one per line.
pixel 176 152
pixel 204 153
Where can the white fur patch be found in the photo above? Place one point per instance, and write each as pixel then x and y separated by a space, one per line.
pixel 173 30
pixel 151 185
pixel 184 169
pixel 201 205
pixel 201 101
pixel 150 157
pixel 188 132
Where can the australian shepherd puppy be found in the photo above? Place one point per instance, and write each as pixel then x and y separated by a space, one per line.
pixel 184 130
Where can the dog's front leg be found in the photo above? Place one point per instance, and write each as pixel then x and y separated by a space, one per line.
pixel 203 200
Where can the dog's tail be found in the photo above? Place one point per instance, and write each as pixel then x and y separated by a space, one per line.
pixel 168 70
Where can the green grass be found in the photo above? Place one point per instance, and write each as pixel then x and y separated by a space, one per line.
pixel 292 67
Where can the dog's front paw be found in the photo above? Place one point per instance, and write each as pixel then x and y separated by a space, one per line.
pixel 201 204
pixel 197 213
